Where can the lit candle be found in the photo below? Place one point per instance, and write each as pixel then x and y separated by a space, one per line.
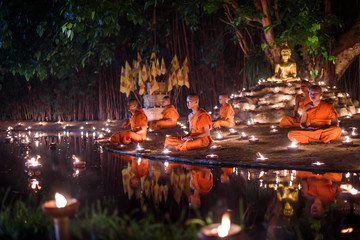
pixel 260 157
pixel 247 108
pixel 293 146
pixel 33 163
pixel 77 163
pixel 253 139
pixel 223 230
pixel 166 151
pixel 219 136
pixel 354 133
pixel 108 120
pixel 34 184
pixel 215 147
pixel 274 131
pixel 317 163
pixel 216 107
pixel 139 149
pixel 233 131
pixel 244 136
pixel 212 156
pixel 349 115
pixel 86 123
pixel 348 141
pixel 60 209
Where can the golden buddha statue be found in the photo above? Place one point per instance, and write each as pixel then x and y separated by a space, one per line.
pixel 285 71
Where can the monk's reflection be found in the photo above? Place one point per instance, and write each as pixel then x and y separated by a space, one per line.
pixel 201 183
pixel 226 172
pixel 319 190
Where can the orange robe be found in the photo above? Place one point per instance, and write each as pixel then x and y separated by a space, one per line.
pixel 202 183
pixel 140 167
pixel 169 119
pixel 290 122
pixel 138 120
pixel 227 113
pixel 319 116
pixel 320 185
pixel 197 123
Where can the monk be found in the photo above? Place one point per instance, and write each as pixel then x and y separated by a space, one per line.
pixel 319 120
pixel 319 189
pixel 226 118
pixel 169 116
pixel 300 101
pixel 138 123
pixel 200 124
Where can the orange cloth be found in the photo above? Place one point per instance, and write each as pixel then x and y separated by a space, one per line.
pixel 138 120
pixel 197 123
pixel 290 122
pixel 319 116
pixel 169 119
pixel 202 181
pixel 227 113
pixel 321 185
pixel 227 171
pixel 140 168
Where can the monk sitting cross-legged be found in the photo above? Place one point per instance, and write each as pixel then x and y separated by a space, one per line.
pixel 138 123
pixel 319 120
pixel 200 124
pixel 300 101
pixel 170 116
pixel 226 118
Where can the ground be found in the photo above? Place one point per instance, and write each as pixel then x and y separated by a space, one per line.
pixel 235 152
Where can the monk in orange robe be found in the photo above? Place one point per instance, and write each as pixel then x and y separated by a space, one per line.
pixel 170 116
pixel 319 120
pixel 200 124
pixel 300 101
pixel 319 189
pixel 138 123
pixel 226 118
pixel 202 182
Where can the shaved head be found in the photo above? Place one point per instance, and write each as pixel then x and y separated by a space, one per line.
pixel 316 88
pixel 194 97
pixel 305 82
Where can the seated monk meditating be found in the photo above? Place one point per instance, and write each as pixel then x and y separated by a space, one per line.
pixel 285 71
pixel 170 116
pixel 300 101
pixel 319 120
pixel 138 123
pixel 226 118
pixel 200 124
pixel 202 182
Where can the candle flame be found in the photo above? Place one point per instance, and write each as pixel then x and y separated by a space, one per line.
pixel 166 151
pixel 60 200
pixel 260 156
pixel 347 230
pixel 252 137
pixel 223 229
pixel 347 139
pixel 76 159
pixel 219 135
pixel 293 144
pixel 166 163
pixel 243 134
pixel 138 147
pixel 34 184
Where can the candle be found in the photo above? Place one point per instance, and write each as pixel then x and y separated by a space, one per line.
pixel 139 149
pixel 86 123
pixel 244 136
pixel 317 163
pixel 349 116
pixel 212 156
pixel 77 163
pixel 253 139
pixel 223 230
pixel 247 108
pixel 108 120
pixel 215 147
pixel 347 230
pixel 348 141
pixel 33 163
pixel 274 131
pixel 233 131
pixel 276 90
pixel 260 157
pixel 166 151
pixel 60 209
pixel 219 136
pixel 354 133
pixel 293 146
pixel 216 107
pixel 34 184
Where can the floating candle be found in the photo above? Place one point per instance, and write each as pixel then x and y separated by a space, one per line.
pixel 253 139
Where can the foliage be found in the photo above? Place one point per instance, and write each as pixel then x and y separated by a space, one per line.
pixel 23 219
pixel 256 68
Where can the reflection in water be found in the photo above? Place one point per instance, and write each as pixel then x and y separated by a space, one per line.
pixel 269 204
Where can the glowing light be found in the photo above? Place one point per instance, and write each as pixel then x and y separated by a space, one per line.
pixel 60 200
pixel 260 157
pixel 317 163
pixel 219 136
pixel 223 229
pixel 86 123
pixel 166 151
pixel 293 145
pixel 347 230
pixel 139 147
pixel 166 163
pixel 81 127
pixel 216 107
pixel 108 120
